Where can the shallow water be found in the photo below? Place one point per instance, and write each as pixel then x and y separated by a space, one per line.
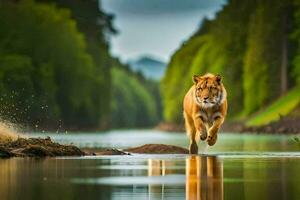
pixel 238 167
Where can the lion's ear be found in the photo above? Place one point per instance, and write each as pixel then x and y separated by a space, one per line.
pixel 218 78
pixel 196 79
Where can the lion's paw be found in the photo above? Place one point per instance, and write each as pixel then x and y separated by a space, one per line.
pixel 193 148
pixel 203 136
pixel 211 140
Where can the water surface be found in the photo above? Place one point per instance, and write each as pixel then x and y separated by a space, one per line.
pixel 238 167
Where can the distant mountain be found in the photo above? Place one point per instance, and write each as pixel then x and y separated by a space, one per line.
pixel 150 67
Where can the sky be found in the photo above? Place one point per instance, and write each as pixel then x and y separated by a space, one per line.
pixel 155 28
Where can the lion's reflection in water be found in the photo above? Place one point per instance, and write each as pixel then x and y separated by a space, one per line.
pixel 203 177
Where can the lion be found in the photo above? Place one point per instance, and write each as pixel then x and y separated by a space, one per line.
pixel 205 109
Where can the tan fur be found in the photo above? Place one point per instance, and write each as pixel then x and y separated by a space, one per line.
pixel 205 109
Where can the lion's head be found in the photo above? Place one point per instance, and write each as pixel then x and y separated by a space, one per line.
pixel 208 89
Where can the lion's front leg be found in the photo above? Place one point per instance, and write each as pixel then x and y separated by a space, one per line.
pixel 203 133
pixel 200 128
pixel 213 131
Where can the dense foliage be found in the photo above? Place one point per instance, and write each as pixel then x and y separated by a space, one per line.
pixel 247 43
pixel 296 37
pixel 263 56
pixel 97 28
pixel 55 69
pixel 132 104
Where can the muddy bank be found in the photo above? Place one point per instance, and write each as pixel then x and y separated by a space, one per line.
pixel 158 149
pixel 40 147
pixel 144 149
pixel 283 126
pixel 37 147
pixel 109 152
pixel 288 125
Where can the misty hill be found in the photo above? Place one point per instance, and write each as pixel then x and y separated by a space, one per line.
pixel 150 67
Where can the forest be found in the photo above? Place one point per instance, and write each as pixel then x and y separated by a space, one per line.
pixel 56 72
pixel 255 46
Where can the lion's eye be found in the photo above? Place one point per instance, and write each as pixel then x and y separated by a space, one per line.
pixel 198 88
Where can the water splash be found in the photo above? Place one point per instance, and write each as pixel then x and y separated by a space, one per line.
pixel 203 147
pixel 9 131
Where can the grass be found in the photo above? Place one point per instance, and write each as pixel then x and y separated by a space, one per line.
pixel 282 107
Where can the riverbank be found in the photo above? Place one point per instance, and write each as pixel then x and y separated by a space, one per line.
pixel 45 147
pixel 12 144
pixel 286 125
pixel 37 147
pixel 144 149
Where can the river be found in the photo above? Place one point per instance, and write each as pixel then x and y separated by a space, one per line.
pixel 239 166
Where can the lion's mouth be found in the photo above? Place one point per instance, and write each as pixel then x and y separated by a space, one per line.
pixel 211 102
pixel 205 102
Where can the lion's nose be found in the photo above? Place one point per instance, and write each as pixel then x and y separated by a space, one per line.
pixel 205 98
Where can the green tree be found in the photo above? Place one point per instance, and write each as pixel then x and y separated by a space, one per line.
pixel 295 35
pixel 97 27
pixel 64 77
pixel 132 104
pixel 16 86
pixel 261 71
